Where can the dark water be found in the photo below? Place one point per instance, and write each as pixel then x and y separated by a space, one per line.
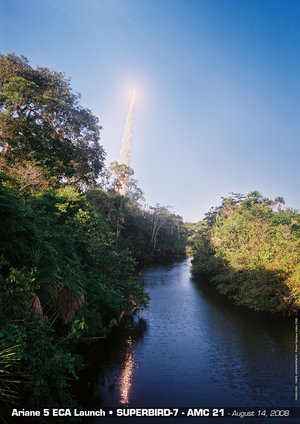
pixel 192 348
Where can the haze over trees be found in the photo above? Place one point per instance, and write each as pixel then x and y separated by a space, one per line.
pixel 69 241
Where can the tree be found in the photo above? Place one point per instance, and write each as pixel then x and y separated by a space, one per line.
pixel 251 253
pixel 29 175
pixel 42 121
pixel 279 200
pixel 123 182
pixel 8 379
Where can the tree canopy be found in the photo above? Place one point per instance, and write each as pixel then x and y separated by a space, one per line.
pixel 42 121
pixel 249 247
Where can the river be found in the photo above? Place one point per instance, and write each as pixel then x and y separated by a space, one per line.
pixel 193 348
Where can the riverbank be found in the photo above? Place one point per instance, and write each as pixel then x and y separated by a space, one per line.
pixel 250 251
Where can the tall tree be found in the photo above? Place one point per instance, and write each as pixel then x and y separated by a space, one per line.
pixel 41 120
pixel 123 182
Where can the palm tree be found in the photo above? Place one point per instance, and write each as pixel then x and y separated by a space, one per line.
pixel 256 196
pixel 279 201
pixel 70 296
pixel 8 379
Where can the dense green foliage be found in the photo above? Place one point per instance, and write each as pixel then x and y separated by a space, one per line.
pixel 63 280
pixel 148 233
pixel 68 245
pixel 42 122
pixel 249 247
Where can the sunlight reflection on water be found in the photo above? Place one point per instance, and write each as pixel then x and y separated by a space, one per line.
pixel 126 376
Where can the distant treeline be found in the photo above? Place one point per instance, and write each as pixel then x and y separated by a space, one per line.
pixel 249 248
pixel 69 241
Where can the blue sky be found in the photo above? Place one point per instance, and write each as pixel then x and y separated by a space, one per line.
pixel 218 87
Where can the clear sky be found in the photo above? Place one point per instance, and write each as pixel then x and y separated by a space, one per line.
pixel 218 87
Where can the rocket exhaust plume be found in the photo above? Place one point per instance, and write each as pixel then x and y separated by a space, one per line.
pixel 125 152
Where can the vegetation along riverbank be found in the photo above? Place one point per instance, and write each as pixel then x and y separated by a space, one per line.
pixel 249 249
pixel 69 241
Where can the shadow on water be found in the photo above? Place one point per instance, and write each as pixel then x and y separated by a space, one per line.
pixel 272 321
pixel 256 350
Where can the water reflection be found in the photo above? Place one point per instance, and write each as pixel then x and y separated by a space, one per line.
pixel 193 347
pixel 137 327
pixel 108 382
pixel 254 352
pixel 126 376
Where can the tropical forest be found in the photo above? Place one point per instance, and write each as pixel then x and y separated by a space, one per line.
pixel 72 243
pixel 69 244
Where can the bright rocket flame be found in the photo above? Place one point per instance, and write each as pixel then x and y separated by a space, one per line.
pixel 133 95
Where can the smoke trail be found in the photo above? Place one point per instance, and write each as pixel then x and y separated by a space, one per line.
pixel 125 152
